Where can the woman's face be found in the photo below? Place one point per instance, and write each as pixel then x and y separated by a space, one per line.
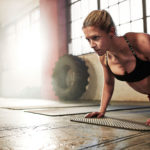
pixel 98 39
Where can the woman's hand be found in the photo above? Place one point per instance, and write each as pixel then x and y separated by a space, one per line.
pixel 95 114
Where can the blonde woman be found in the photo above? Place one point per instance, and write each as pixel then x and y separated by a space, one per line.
pixel 126 58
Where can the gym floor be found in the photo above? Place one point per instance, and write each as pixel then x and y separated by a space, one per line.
pixel 27 124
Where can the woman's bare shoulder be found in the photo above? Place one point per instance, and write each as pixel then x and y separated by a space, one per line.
pixel 140 41
pixel 139 38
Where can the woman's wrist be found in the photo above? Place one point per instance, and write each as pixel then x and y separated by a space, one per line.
pixel 102 110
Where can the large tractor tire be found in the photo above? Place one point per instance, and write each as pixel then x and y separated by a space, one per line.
pixel 70 77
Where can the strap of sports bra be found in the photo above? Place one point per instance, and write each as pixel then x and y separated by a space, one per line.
pixel 130 46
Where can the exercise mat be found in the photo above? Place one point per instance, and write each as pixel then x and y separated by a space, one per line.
pixel 63 111
pixel 112 122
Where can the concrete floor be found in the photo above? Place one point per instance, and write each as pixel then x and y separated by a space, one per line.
pixel 24 130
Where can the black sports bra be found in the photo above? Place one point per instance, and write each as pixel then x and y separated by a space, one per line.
pixel 141 70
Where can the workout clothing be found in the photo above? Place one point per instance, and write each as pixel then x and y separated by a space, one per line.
pixel 141 70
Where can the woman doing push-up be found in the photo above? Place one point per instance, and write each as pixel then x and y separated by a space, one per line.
pixel 126 57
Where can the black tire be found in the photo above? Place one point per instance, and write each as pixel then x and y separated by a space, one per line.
pixel 70 77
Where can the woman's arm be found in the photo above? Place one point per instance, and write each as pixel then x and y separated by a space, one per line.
pixel 108 88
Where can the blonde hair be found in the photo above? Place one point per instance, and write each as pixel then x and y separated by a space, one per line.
pixel 99 18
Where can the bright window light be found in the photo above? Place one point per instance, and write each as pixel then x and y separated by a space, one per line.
pixel 124 12
pixel 23 56
pixel 76 46
pixel 136 12
pixel 76 30
pixel 114 11
pixel 84 8
pixel 137 26
pixel 148 25
pixel 79 11
pixel 148 7
pixel 29 52
pixel 92 5
pixel 112 2
pixel 75 11
pixel 103 4
pixel 124 28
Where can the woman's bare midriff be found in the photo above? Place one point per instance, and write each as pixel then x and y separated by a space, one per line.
pixel 141 86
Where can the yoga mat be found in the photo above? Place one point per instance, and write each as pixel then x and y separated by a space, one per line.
pixel 79 110
pixel 64 111
pixel 112 122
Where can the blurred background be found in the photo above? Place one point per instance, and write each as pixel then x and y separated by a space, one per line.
pixel 35 34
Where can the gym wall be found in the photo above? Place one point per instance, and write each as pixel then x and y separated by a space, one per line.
pixel 122 91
